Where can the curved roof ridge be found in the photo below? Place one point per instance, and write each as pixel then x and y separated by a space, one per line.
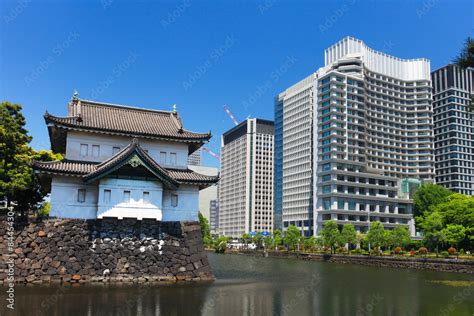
pixel 122 106
pixel 126 122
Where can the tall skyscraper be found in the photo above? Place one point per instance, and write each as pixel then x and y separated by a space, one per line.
pixel 454 128
pixel 366 120
pixel 278 168
pixel 294 156
pixel 246 180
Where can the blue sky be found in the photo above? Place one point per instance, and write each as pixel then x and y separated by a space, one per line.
pixel 200 54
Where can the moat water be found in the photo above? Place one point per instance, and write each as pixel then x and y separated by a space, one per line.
pixel 263 286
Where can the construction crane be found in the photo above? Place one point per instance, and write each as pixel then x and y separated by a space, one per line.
pixel 213 154
pixel 226 109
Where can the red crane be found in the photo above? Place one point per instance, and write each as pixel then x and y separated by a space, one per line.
pixel 226 109
pixel 213 154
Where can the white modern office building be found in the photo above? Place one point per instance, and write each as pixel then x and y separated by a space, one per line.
pixel 454 128
pixel 356 140
pixel 246 179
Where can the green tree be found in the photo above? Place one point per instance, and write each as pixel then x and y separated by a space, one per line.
pixel 319 242
pixel 277 239
pixel 360 239
pixel 15 173
pixel 330 234
pixel 400 236
pixel 246 239
pixel 257 239
pixel 205 229
pixel 44 210
pixel 428 196
pixel 465 59
pixel 388 239
pixel 431 228
pixel 348 235
pixel 376 234
pixel 220 244
pixel 292 237
pixel 18 185
pixel 310 243
pixel 459 210
pixel 267 241
pixel 453 234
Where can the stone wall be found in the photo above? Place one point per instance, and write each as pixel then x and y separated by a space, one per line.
pixel 445 265
pixel 104 250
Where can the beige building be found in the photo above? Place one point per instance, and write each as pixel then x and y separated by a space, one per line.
pixel 208 194
pixel 246 181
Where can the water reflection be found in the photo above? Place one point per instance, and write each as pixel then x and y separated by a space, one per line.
pixel 262 286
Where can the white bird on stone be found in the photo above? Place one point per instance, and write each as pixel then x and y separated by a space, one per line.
pixel 106 272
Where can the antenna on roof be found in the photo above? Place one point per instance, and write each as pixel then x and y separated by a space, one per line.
pixel 75 95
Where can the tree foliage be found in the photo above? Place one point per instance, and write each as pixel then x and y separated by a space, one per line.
pixel 310 243
pixel 330 234
pixel 388 239
pixel 220 244
pixel 18 185
pixel 428 196
pixel 456 209
pixel 246 239
pixel 376 234
pixel 431 227
pixel 453 234
pixel 465 59
pixel 292 236
pixel 277 239
pixel 205 229
pixel 400 236
pixel 348 234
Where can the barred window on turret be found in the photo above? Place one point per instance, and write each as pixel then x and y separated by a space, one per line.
pixel 174 200
pixel 81 195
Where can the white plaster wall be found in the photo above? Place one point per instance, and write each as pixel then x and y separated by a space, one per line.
pixel 107 142
pixel 188 204
pixel 64 202
pixel 137 207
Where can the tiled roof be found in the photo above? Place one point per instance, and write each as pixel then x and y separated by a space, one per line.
pixel 123 157
pixel 190 176
pixel 72 167
pixel 92 170
pixel 125 120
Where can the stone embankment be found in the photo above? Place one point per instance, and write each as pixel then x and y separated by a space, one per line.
pixel 444 265
pixel 59 250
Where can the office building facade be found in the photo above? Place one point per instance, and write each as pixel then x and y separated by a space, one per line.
pixel 371 137
pixel 194 159
pixel 214 216
pixel 246 179
pixel 454 128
